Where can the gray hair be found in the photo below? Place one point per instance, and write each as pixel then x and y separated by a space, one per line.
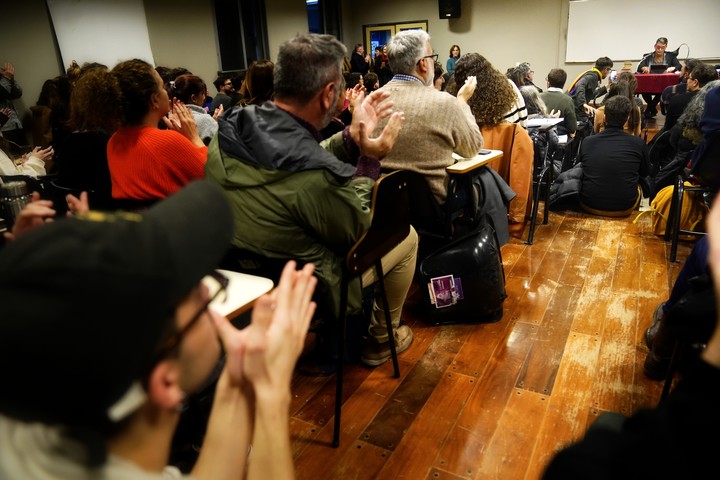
pixel 690 119
pixel 291 79
pixel 405 49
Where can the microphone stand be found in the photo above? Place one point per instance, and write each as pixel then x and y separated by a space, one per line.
pixel 643 59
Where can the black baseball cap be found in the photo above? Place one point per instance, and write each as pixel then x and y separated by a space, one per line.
pixel 85 301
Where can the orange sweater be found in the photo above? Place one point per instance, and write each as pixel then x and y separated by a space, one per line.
pixel 148 163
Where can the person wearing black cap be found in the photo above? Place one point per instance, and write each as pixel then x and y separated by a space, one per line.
pixel 105 329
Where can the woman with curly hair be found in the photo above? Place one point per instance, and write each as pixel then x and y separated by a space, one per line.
pixel 494 100
pixel 82 159
pixel 147 163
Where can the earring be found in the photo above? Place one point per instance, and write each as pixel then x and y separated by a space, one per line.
pixel 183 404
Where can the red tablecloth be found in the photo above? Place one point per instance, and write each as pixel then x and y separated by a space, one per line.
pixel 655 82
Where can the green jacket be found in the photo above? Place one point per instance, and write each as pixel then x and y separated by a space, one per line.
pixel 290 197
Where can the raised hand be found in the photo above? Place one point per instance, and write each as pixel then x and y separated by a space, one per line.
pixel 181 120
pixel 381 145
pixel 32 216
pixel 468 88
pixel 8 71
pixel 77 206
pixel 264 353
pixel 369 110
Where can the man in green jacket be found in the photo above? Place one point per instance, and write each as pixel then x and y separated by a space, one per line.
pixel 293 197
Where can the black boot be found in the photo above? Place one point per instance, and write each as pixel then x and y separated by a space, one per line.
pixel 657 362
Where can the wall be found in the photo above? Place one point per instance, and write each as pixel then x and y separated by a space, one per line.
pixel 27 41
pixel 182 33
pixel 285 19
pixel 505 32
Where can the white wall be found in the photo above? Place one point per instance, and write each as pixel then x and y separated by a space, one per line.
pixel 182 33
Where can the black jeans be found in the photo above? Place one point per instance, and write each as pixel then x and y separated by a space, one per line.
pixel 652 101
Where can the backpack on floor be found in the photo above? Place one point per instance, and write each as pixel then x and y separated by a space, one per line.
pixel 464 281
pixel 691 217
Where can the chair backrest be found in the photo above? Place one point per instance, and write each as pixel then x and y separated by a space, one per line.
pixel 390 221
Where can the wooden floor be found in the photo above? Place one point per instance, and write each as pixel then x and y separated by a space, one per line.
pixel 495 401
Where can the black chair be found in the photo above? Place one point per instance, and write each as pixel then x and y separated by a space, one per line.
pixel 546 148
pixel 438 224
pixel 706 178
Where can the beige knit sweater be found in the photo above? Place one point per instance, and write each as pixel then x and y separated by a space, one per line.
pixel 436 125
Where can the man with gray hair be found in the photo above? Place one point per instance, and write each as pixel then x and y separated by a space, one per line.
pixel 437 124
pixel 293 197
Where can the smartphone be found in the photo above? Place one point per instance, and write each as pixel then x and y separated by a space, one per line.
pixel 613 75
pixel 484 152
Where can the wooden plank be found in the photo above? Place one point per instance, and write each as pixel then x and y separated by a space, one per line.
pixel 480 344
pixel 510 450
pixel 653 250
pixel 564 237
pixel 316 454
pixel 578 261
pixel 627 264
pixel 510 253
pixel 401 409
pixel 429 430
pixel 608 240
pixel 528 263
pixel 595 291
pixel 497 382
pixel 566 417
pixel 438 474
pixel 361 461
pixel 613 387
pixel 540 368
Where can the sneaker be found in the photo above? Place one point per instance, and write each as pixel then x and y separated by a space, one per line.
pixel 652 330
pixel 375 353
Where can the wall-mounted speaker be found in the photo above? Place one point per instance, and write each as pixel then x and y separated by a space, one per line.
pixel 449 8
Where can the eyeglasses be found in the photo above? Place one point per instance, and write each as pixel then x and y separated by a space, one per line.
pixel 217 284
pixel 434 56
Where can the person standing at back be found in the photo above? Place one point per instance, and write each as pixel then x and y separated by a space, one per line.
pixel 10 90
pixel 454 55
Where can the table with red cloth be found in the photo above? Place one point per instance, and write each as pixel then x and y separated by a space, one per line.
pixel 655 82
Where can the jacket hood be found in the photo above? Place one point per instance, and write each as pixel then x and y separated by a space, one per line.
pixel 269 138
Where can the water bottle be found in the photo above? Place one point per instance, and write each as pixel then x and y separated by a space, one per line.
pixel 13 197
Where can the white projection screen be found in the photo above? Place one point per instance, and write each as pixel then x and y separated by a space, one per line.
pixel 105 31
pixel 627 29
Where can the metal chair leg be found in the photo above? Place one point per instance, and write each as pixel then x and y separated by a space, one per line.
pixel 388 321
pixel 342 318
pixel 676 220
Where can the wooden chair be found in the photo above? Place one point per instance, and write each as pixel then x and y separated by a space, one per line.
pixel 390 225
